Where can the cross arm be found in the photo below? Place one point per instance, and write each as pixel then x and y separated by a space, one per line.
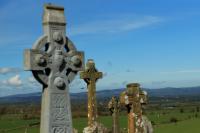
pixel 98 75
pixel 75 60
pixel 88 75
pixel 126 99
pixel 35 59
pixel 84 75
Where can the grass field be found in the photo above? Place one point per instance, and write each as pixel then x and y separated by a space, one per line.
pixel 184 125
pixel 188 126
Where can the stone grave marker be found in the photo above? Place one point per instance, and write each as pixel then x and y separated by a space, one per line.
pixel 114 107
pixel 148 128
pixel 131 98
pixel 54 62
pixel 90 76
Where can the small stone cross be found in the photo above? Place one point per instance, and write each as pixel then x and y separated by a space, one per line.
pixel 131 98
pixel 90 76
pixel 114 107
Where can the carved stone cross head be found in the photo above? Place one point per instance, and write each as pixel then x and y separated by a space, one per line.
pixel 53 57
pixel 113 105
pixel 91 74
pixel 131 94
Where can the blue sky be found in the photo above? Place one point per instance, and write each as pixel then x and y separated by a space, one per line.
pixel 155 43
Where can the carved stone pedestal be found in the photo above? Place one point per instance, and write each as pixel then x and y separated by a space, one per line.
pixel 96 128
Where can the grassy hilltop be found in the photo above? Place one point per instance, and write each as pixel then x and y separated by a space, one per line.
pixel 165 121
pixel 168 112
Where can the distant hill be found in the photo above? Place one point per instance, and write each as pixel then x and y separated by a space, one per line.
pixel 169 92
pixel 174 92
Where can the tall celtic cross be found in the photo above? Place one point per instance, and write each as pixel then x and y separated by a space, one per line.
pixel 54 62
pixel 90 76
pixel 114 107
pixel 131 98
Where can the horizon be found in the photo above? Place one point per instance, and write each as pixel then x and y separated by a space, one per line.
pixel 85 90
pixel 133 41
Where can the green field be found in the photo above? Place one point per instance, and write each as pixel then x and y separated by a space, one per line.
pixel 189 126
pixel 163 125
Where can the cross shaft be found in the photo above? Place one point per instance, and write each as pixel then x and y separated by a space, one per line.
pixel 90 76
pixel 114 107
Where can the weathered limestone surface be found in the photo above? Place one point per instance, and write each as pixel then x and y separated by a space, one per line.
pixel 54 62
pixel 148 128
pixel 131 98
pixel 90 76
pixel 96 128
pixel 114 107
pixel 75 130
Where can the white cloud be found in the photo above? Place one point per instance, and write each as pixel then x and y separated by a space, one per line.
pixel 189 71
pixel 31 79
pixel 14 81
pixel 31 82
pixel 182 71
pixel 6 70
pixel 114 25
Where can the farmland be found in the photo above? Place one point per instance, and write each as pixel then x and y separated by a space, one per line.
pixel 184 122
pixel 168 114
